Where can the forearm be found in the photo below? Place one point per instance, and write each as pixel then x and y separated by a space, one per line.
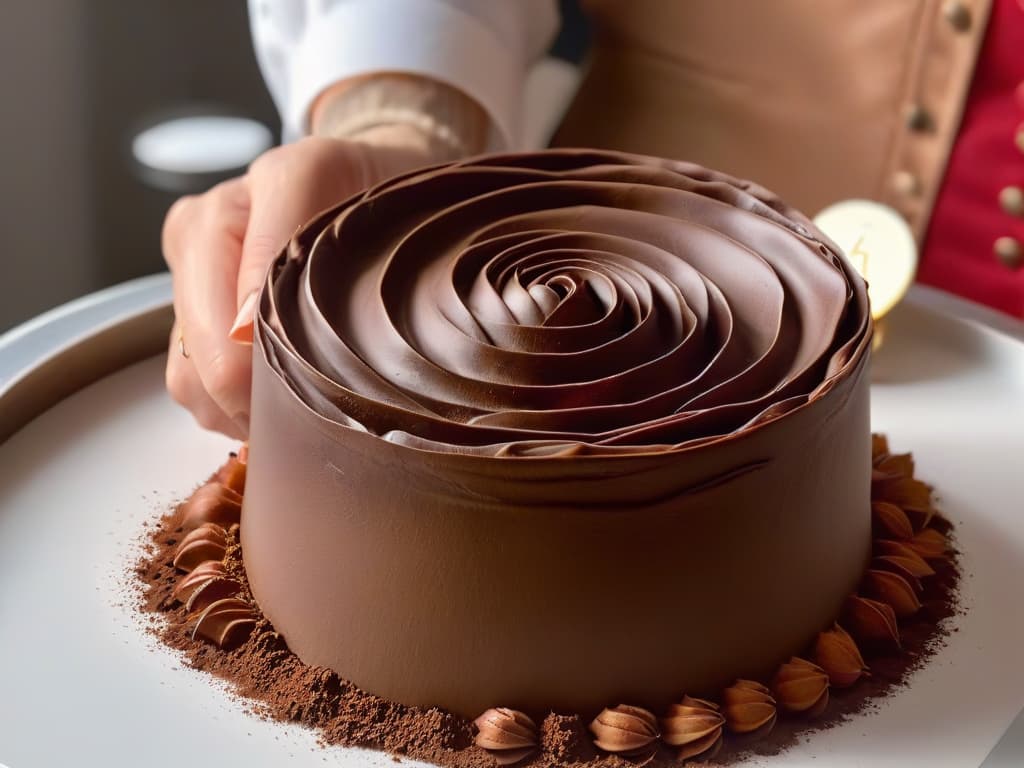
pixel 403 110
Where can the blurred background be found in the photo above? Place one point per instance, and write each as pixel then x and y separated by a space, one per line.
pixel 79 80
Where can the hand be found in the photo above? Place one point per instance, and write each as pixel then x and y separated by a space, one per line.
pixel 219 246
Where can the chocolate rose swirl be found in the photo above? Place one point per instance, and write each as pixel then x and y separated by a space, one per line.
pixel 516 305
pixel 655 364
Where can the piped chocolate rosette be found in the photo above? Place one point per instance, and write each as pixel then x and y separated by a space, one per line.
pixel 557 431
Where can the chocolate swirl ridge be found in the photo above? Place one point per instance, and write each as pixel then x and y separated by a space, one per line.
pixel 563 302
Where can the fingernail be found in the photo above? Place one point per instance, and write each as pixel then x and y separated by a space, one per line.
pixel 241 331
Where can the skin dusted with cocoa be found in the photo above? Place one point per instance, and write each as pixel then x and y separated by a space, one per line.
pixel 556 431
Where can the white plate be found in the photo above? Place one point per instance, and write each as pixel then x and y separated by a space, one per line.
pixel 82 684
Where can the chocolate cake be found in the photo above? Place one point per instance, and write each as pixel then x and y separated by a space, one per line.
pixel 561 431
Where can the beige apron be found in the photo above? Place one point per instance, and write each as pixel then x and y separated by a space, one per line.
pixel 819 100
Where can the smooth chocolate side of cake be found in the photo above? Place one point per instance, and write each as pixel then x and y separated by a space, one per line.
pixel 558 431
pixel 435 579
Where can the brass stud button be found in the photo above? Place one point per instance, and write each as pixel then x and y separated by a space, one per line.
pixel 957 14
pixel 1011 200
pixel 906 183
pixel 918 119
pixel 1009 252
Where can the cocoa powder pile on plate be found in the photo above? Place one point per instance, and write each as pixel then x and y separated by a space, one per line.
pixel 266 674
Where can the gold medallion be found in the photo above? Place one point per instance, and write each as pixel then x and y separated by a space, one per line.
pixel 879 244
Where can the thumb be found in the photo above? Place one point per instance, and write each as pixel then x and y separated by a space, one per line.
pixel 270 226
pixel 275 215
pixel 287 187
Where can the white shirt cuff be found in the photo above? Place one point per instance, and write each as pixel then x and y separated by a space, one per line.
pixel 425 38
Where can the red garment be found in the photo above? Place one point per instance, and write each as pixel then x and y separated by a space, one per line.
pixel 967 219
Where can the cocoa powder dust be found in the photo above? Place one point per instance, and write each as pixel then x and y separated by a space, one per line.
pixel 278 686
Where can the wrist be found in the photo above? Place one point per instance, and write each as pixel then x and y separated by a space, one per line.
pixel 408 112
pixel 390 150
pixel 404 137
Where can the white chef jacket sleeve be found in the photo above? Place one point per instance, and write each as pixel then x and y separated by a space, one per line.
pixel 481 47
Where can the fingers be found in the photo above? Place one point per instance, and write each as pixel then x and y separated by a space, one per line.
pixel 186 388
pixel 202 245
pixel 219 246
